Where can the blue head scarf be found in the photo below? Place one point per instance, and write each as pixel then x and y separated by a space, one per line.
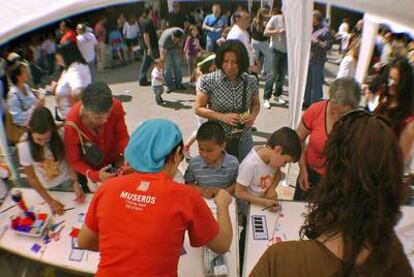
pixel 150 143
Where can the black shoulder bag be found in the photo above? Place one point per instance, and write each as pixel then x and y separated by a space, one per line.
pixel 88 150
pixel 233 143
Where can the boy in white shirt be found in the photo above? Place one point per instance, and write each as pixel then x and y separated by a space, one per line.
pixel 157 80
pixel 259 173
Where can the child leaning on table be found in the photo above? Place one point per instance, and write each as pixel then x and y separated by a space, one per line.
pixel 41 153
pixel 213 169
pixel 259 173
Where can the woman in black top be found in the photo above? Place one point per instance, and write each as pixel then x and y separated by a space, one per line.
pixel 260 43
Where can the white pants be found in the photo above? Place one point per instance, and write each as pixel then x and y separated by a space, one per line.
pixel 100 55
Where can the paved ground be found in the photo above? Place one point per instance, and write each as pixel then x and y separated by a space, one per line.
pixel 140 106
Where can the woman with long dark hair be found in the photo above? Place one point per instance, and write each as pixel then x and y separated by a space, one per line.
pixel 397 101
pixel 353 212
pixel 74 78
pixel 42 154
pixel 260 43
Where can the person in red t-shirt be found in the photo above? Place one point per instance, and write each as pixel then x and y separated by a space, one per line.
pixel 317 122
pixel 137 222
pixel 68 33
pixel 100 118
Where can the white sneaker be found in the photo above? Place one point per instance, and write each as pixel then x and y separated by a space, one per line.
pixel 266 104
pixel 279 100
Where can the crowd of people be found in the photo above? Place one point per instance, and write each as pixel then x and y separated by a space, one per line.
pixel 83 144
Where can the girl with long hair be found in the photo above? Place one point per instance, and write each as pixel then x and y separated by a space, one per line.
pixel 351 219
pixel 260 42
pixel 42 154
pixel 396 103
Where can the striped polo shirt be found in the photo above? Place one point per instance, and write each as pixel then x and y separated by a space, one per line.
pixel 200 173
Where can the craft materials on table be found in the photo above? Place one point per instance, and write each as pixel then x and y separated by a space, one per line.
pixel 278 235
pixel 28 223
pixel 259 227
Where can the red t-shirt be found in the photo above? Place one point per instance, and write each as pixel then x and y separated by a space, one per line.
pixel 112 139
pixel 69 35
pixel 314 119
pixel 141 219
pixel 407 120
pixel 100 32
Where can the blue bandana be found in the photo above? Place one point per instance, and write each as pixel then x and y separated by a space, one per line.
pixel 151 143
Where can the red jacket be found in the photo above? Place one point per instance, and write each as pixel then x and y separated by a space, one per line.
pixel 112 139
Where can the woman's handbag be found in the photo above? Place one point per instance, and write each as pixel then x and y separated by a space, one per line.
pixel 89 151
pixel 233 143
pixel 13 132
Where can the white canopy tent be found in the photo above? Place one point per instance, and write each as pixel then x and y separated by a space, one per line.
pixel 21 16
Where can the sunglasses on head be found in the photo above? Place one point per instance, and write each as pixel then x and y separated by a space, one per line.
pixel 354 115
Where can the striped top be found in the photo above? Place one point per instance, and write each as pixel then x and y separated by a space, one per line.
pixel 200 173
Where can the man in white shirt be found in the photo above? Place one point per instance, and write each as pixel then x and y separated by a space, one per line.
pixel 239 32
pixel 86 43
pixel 275 29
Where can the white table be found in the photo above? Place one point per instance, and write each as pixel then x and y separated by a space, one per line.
pixel 191 264
pixel 57 253
pixel 288 225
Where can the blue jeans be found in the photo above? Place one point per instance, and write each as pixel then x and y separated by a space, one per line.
pixel 173 76
pixel 92 69
pixel 314 84
pixel 146 63
pixel 211 45
pixel 158 90
pixel 244 148
pixel 279 60
pixel 261 52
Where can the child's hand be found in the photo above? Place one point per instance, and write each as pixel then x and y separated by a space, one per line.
pixel 209 192
pixel 222 199
pixel 80 196
pixel 56 207
pixel 271 203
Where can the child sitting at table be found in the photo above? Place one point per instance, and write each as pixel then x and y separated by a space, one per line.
pixel 213 169
pixel 41 153
pixel 259 173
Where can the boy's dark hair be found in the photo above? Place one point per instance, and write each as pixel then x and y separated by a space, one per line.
pixel 289 140
pixel 237 48
pixel 97 98
pixel 213 131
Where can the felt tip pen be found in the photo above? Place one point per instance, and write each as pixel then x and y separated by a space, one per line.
pixel 268 207
pixel 6 209
pixel 68 209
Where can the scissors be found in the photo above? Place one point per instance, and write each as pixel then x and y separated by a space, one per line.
pixel 56 235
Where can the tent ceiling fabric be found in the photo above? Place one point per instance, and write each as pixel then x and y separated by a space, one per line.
pixel 21 16
pixel 400 11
